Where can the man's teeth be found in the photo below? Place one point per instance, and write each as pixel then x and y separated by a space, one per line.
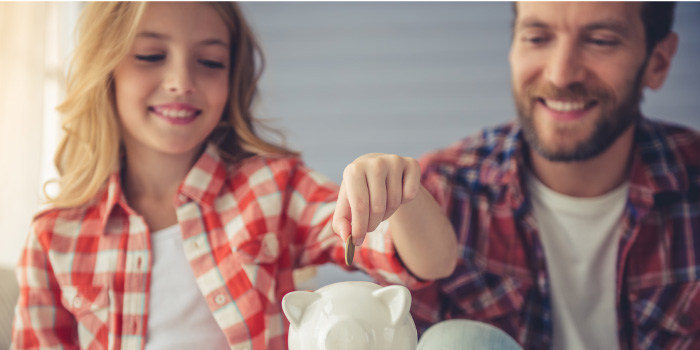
pixel 174 113
pixel 562 106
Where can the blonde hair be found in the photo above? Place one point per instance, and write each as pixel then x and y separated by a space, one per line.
pixel 90 148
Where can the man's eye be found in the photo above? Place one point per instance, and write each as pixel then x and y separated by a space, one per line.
pixel 600 42
pixel 212 64
pixel 150 58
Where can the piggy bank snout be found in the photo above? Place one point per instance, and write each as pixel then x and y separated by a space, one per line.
pixel 346 335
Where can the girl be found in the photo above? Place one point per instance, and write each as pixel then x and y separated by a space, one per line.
pixel 176 226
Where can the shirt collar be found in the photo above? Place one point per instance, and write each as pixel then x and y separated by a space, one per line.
pixel 201 184
pixel 204 181
pixel 655 173
pixel 111 198
pixel 506 168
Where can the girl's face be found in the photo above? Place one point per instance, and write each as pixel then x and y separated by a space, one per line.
pixel 172 87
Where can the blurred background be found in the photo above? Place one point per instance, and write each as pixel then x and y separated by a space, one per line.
pixel 342 79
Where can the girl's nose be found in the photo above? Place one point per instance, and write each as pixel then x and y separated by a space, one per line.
pixel 179 80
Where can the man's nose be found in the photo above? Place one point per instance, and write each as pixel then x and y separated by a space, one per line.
pixel 565 66
pixel 179 79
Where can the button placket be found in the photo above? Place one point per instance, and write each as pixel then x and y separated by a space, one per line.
pixel 195 244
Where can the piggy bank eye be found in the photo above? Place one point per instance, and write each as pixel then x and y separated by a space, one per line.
pixel 346 335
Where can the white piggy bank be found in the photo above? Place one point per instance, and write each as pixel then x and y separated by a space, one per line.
pixel 350 316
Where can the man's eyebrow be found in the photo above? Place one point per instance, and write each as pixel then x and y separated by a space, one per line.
pixel 161 36
pixel 611 25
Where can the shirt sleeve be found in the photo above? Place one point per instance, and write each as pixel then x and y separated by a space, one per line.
pixel 40 322
pixel 435 178
pixel 311 207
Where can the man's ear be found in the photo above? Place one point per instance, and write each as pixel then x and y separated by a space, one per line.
pixel 660 61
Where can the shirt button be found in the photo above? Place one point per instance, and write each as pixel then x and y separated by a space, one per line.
pixel 77 302
pixel 220 299
pixel 182 197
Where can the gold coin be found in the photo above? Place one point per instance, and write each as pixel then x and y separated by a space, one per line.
pixel 349 251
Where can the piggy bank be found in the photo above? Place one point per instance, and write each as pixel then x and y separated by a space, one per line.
pixel 350 316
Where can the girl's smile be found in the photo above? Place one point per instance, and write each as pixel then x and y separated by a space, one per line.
pixel 176 113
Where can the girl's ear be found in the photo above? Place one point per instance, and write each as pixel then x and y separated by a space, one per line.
pixel 660 61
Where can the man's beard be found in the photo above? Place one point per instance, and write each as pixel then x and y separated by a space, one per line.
pixel 613 120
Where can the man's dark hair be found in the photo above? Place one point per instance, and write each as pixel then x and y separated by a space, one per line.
pixel 657 18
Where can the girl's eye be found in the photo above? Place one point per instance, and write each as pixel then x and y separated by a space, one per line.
pixel 536 40
pixel 212 64
pixel 150 58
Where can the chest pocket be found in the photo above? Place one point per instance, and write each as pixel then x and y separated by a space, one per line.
pixel 257 257
pixel 667 317
pixel 259 249
pixel 90 307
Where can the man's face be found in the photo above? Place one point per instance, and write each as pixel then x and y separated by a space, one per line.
pixel 577 74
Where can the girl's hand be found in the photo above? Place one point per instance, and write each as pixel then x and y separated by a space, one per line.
pixel 374 186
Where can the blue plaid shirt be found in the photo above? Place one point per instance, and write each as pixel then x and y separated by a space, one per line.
pixel 501 277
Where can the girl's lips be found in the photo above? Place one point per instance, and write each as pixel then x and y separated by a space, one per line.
pixel 176 116
pixel 175 109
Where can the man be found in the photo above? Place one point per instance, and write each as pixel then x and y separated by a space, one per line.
pixel 578 223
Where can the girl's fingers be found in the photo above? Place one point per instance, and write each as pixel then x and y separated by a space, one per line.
pixel 358 199
pixel 411 180
pixel 377 185
pixel 394 190
pixel 342 215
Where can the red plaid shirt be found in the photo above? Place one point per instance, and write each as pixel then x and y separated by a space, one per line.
pixel 85 272
pixel 501 276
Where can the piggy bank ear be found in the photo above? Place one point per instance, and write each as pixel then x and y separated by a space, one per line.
pixel 294 304
pixel 397 299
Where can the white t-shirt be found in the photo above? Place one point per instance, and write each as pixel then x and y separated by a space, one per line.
pixel 178 315
pixel 580 237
